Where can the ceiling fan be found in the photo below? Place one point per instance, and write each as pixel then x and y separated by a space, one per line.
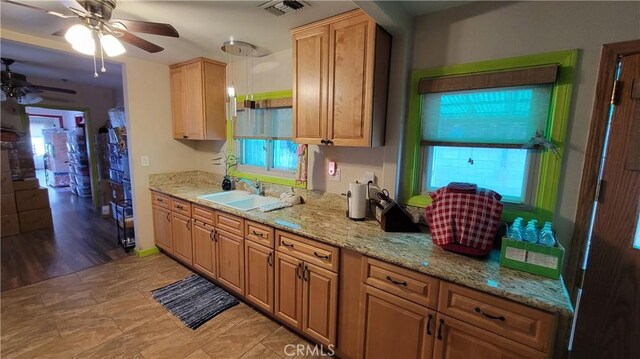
pixel 15 85
pixel 96 15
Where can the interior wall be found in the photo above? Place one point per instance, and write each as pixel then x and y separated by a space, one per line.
pixel 493 30
pixel 148 110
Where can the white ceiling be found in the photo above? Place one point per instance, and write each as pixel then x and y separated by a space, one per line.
pixel 203 27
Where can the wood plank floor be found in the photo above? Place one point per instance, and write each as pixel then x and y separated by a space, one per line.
pixel 80 239
pixel 107 312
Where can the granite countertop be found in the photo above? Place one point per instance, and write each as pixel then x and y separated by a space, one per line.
pixel 414 251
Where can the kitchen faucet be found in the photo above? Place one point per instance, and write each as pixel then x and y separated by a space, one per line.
pixel 256 187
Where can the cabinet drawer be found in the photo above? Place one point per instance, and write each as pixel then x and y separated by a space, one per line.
pixel 202 214
pixel 229 223
pixel 161 200
pixel 416 287
pixel 181 206
pixel 259 233
pixel 320 254
pixel 518 322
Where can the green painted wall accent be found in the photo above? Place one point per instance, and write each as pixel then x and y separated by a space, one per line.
pixel 549 173
pixel 263 178
pixel 146 252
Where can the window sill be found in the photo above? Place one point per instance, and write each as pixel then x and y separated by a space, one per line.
pixel 268 179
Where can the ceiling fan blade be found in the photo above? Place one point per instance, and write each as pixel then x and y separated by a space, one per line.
pixel 140 42
pixel 54 13
pixel 146 27
pixel 74 6
pixel 54 89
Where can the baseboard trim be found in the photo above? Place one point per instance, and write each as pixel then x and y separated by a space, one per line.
pixel 147 252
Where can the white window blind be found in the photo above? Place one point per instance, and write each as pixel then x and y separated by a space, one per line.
pixel 266 123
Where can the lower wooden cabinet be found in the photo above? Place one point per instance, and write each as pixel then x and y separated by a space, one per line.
pixel 457 339
pixel 259 262
pixel 288 290
pixel 204 248
pixel 181 233
pixel 306 297
pixel 393 327
pixel 230 261
pixel 162 228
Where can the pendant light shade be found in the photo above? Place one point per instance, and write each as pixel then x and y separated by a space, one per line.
pixel 111 45
pixel 81 39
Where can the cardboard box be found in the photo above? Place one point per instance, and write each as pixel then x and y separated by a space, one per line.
pixel 532 257
pixel 5 164
pixel 8 204
pixel 35 219
pixel 9 225
pixel 6 182
pixel 27 183
pixel 32 199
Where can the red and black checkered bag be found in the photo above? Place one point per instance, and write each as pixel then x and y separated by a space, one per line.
pixel 464 218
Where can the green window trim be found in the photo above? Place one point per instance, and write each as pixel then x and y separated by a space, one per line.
pixel 263 178
pixel 550 166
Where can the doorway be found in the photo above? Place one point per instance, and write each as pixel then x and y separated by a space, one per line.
pixel 606 275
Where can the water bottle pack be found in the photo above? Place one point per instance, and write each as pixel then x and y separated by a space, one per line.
pixel 531 233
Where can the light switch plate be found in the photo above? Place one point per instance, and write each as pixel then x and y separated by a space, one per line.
pixel 144 161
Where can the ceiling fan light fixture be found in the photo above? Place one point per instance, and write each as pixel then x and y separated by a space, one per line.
pixel 81 39
pixel 111 45
pixel 29 99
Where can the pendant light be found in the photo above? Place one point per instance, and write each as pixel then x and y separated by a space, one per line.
pixel 247 50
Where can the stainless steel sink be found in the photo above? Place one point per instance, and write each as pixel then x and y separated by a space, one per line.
pixel 240 200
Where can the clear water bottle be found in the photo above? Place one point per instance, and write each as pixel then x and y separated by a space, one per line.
pixel 515 231
pixel 530 233
pixel 546 236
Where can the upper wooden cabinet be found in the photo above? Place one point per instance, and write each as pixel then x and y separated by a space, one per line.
pixel 340 80
pixel 198 95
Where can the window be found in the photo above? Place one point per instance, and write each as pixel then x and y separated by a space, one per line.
pixel 468 124
pixel 262 142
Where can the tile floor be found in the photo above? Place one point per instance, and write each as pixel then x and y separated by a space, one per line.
pixel 107 312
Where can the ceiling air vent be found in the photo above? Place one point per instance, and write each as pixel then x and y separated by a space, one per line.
pixel 279 7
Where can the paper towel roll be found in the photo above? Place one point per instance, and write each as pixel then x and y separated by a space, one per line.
pixel 357 200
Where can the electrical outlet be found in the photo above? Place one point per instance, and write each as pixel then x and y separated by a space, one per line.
pixel 369 176
pixel 336 177
pixel 144 161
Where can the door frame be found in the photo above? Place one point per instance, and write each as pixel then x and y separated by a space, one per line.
pixel 608 58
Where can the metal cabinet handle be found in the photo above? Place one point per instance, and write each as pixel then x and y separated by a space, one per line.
pixel 286 244
pixel 478 310
pixel 179 206
pixel 257 234
pixel 185 136
pixel 270 259
pixel 321 256
pixel 323 141
pixel 169 217
pixel 189 224
pixel 159 200
pixel 329 142
pixel 298 271
pixel 305 274
pixel 429 324
pixel 212 235
pixel 440 329
pixel 396 282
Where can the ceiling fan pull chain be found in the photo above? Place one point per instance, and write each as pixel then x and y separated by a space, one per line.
pixel 95 66
pixel 102 57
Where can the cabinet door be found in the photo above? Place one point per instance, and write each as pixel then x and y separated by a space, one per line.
pixel 230 261
pixel 162 228
pixel 393 327
pixel 259 275
pixel 215 109
pixel 351 53
pixel 204 248
pixel 310 85
pixel 193 101
pixel 456 339
pixel 288 290
pixel 181 232
pixel 319 303
pixel 177 103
